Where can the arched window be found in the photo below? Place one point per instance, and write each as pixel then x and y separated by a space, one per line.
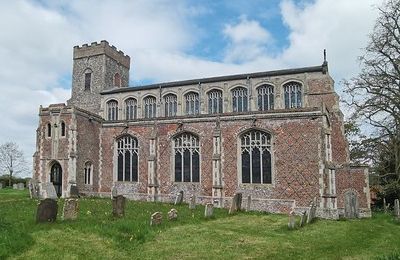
pixel 56 178
pixel 256 157
pixel 215 102
pixel 239 99
pixel 192 103
pixel 293 95
pixel 88 173
pixel 117 80
pixel 48 130
pixel 130 109
pixel 150 107
pixel 265 97
pixel 88 79
pixel 170 102
pixel 186 158
pixel 62 129
pixel 127 158
pixel 112 110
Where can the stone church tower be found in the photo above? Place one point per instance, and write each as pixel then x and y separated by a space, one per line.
pixel 96 68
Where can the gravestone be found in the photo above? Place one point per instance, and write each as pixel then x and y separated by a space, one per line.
pixel 209 210
pixel 292 220
pixel 47 191
pixel 397 208
pixel 192 202
pixel 248 205
pixel 179 198
pixel 312 210
pixel 236 203
pixel 1 185
pixel 303 219
pixel 114 192
pixel 21 186
pixel 156 218
pixel 15 186
pixel 350 204
pixel 118 204
pixel 47 211
pixel 33 189
pixel 74 191
pixel 71 209
pixel 172 214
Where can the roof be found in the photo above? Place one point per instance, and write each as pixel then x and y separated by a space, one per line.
pixel 322 68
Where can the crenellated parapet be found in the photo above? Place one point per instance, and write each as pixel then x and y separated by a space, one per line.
pixel 101 48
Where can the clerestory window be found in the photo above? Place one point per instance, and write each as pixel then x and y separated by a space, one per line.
pixel 265 97
pixel 170 105
pixel 192 103
pixel 150 107
pixel 215 104
pixel 130 109
pixel 239 99
pixel 112 110
pixel 293 95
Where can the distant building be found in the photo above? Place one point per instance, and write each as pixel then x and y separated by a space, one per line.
pixel 276 136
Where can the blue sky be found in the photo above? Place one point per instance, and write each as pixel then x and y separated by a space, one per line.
pixel 167 40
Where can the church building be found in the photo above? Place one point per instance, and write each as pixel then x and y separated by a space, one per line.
pixel 277 137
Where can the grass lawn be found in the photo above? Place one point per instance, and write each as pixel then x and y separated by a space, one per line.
pixel 97 235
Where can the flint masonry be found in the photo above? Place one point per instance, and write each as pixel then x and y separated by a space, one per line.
pixel 275 135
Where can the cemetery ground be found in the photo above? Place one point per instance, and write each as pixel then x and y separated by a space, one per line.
pixel 96 234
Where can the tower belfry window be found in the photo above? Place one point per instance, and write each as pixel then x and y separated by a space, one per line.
pixel 88 80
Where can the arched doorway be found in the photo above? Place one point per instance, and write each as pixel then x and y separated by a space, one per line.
pixel 56 178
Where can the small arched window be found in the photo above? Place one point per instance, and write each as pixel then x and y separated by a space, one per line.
pixel 62 129
pixel 293 95
pixel 170 102
pixel 215 102
pixel 112 110
pixel 265 97
pixel 239 99
pixel 48 130
pixel 186 158
pixel 256 158
pixel 88 173
pixel 117 80
pixel 130 109
pixel 127 158
pixel 88 79
pixel 150 107
pixel 192 103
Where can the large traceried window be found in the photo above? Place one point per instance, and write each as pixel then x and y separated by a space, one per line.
pixel 215 104
pixel 293 95
pixel 150 107
pixel 265 97
pixel 130 109
pixel 127 158
pixel 88 176
pixel 112 110
pixel 256 157
pixel 192 103
pixel 186 158
pixel 239 99
pixel 170 102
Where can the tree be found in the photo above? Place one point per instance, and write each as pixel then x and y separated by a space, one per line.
pixel 11 160
pixel 375 92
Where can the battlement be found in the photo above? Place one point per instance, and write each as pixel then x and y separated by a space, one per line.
pixel 101 48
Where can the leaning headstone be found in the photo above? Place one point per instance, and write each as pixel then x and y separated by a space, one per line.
pixel 312 210
pixel 118 204
pixel 156 218
pixel 74 191
pixel 397 208
pixel 172 214
pixel 47 211
pixel 48 191
pixel 303 219
pixel 33 189
pixel 21 186
pixel 71 209
pixel 15 186
pixel 1 185
pixel 248 205
pixel 192 202
pixel 292 220
pixel 179 198
pixel 236 203
pixel 209 210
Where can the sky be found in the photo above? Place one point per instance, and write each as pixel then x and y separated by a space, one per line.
pixel 167 40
